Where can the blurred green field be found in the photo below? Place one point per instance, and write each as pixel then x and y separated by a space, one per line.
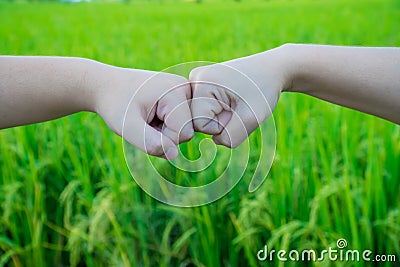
pixel 67 198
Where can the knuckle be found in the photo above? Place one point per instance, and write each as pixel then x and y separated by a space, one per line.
pixel 180 80
pixel 230 143
pixel 163 109
pixel 178 91
pixel 225 142
pixel 211 128
pixel 174 78
pixel 234 144
pixel 173 81
pixel 199 108
pixel 226 139
pixel 184 137
pixel 201 73
pixel 171 134
pixel 154 149
pixel 194 73
pixel 184 89
pixel 198 125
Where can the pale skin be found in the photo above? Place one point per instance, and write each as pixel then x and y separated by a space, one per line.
pixel 361 78
pixel 37 89
pixel 224 102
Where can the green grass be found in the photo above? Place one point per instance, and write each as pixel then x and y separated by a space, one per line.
pixel 67 198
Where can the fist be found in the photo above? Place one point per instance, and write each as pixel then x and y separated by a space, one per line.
pixel 230 100
pixel 150 109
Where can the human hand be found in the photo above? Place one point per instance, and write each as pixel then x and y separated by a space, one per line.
pixel 158 117
pixel 231 99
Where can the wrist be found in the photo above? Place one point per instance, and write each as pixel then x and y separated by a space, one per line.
pixel 277 68
pixel 299 76
pixel 93 83
pixel 285 64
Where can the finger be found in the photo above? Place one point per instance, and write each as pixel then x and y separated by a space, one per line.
pixel 173 108
pixel 242 123
pixel 139 133
pixel 210 108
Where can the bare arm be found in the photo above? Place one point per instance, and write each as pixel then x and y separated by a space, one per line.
pixel 362 78
pixel 36 89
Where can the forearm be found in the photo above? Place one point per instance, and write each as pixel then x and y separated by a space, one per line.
pixel 361 78
pixel 36 89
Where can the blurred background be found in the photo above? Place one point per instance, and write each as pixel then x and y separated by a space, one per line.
pixel 66 195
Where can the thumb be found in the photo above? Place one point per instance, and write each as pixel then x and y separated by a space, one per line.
pixel 151 141
pixel 210 107
pixel 242 123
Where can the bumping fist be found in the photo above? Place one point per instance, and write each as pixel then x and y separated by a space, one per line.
pixel 156 111
pixel 150 109
pixel 230 100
